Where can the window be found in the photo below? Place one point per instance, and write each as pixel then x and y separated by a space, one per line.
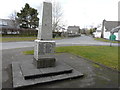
pixel 4 23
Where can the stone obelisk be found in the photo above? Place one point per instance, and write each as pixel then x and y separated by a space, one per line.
pixel 44 45
pixel 46 30
pixel 44 68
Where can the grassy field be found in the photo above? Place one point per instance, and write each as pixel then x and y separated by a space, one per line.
pixel 105 40
pixel 18 35
pixel 101 54
pixel 14 39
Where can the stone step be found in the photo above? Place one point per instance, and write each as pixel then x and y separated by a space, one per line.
pixel 19 81
pixel 30 72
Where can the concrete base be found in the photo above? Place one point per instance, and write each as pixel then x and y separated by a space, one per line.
pixel 29 71
pixel 43 47
pixel 25 74
pixel 44 61
pixel 43 54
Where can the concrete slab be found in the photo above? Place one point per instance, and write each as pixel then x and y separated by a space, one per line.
pixel 29 71
pixel 74 74
pixel 95 77
pixel 44 62
pixel 20 81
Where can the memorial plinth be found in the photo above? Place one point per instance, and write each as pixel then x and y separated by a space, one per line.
pixel 44 44
pixel 45 67
pixel 43 53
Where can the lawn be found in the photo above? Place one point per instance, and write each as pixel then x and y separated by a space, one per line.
pixel 14 39
pixel 105 40
pixel 101 54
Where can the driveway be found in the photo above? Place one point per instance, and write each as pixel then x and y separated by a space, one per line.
pixel 82 40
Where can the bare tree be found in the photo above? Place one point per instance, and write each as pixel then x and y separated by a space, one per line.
pixel 57 16
pixel 13 18
pixel 13 15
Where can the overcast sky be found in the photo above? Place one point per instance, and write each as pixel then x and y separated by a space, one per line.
pixel 83 13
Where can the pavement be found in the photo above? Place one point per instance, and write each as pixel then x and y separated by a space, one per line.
pixel 95 76
pixel 77 41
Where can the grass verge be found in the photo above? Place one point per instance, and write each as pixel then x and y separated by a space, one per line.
pixel 101 54
pixel 14 39
pixel 105 40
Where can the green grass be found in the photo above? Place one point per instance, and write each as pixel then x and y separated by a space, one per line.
pixel 95 65
pixel 101 54
pixel 57 38
pixel 105 40
pixel 14 39
pixel 30 52
pixel 105 55
pixel 18 35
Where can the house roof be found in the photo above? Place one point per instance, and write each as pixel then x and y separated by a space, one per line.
pixel 116 29
pixel 73 27
pixel 109 25
pixel 8 23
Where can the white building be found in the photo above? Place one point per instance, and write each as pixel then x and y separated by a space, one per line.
pixel 73 31
pixel 97 34
pixel 8 25
pixel 107 28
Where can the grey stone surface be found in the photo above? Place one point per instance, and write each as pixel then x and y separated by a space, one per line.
pixel 46 31
pixel 43 47
pixel 20 81
pixel 29 71
pixel 74 74
pixel 41 51
pixel 44 62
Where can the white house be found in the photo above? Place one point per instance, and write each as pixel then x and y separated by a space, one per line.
pixel 8 24
pixel 107 28
pixel 73 31
pixel 97 34
pixel 117 29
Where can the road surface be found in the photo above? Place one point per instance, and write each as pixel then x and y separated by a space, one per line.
pixel 80 41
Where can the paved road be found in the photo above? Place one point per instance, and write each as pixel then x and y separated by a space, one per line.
pixel 83 40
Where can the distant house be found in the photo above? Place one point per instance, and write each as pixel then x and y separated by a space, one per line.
pixel 73 30
pixel 117 29
pixel 7 23
pixel 7 26
pixel 11 27
pixel 107 28
pixel 97 33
